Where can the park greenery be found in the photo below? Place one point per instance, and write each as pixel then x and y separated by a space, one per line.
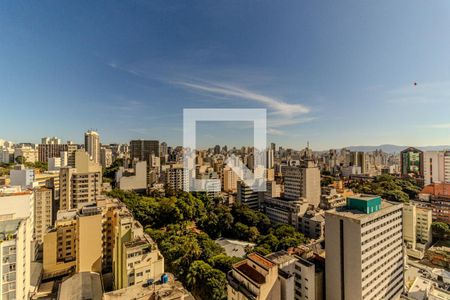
pixel 186 225
pixel 388 187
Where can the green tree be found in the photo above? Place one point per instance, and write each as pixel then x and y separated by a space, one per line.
pixel 440 230
pixel 20 159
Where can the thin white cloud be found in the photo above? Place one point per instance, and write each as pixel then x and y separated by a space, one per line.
pixel 278 106
pixel 274 123
pixel 437 126
pixel 274 131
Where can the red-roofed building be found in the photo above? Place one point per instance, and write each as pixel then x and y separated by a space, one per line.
pixel 438 194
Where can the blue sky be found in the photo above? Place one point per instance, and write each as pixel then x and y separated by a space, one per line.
pixel 335 73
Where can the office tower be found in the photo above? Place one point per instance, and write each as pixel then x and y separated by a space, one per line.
pixel 92 145
pixel 21 176
pixel 142 149
pixel 416 229
pixel 78 188
pixel 43 209
pixel 245 195
pixel 364 249
pixel 15 257
pixel 106 157
pixel 411 162
pixel 256 278
pixel 134 179
pixel 303 182
pixel 163 150
pixel 51 140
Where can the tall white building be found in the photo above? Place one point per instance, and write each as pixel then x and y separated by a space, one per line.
pixel 16 247
pixel 92 145
pixel 364 250
pixel 15 257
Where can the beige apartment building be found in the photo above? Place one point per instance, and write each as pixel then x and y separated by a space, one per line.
pixel 102 238
pixel 364 250
pixel 75 243
pixel 43 209
pixel 417 229
pixel 230 180
pixel 303 182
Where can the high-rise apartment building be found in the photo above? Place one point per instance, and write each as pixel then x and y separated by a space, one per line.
pixel 245 195
pixel 51 140
pixel 16 247
pixel 230 180
pixel 163 151
pixel 106 157
pixel 142 149
pixel 364 250
pixel 78 188
pixel 15 257
pixel 46 151
pixel 302 182
pixel 416 229
pixel 175 178
pixel 92 145
pixel 43 209
pixel 75 243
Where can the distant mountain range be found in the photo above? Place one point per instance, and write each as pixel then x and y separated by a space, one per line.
pixel 395 148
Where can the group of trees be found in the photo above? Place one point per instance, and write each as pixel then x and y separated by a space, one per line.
pixel 6 167
pixel 185 226
pixel 388 187
pixel 440 230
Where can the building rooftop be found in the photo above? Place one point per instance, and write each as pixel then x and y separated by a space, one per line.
pixel 251 273
pixel 8 229
pixel 173 290
pixel 234 247
pixel 355 214
pixel 437 189
pixel 81 286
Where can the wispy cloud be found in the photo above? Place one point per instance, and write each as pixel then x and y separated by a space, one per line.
pixel 422 93
pixel 278 106
pixel 437 126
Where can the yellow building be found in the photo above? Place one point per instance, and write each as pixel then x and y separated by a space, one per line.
pixel 75 243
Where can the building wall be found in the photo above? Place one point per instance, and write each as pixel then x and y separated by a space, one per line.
pixel 89 244
pixel 367 251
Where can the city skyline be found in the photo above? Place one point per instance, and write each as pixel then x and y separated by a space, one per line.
pixel 365 74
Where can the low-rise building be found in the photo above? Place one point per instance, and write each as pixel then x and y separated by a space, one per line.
pixel 254 278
